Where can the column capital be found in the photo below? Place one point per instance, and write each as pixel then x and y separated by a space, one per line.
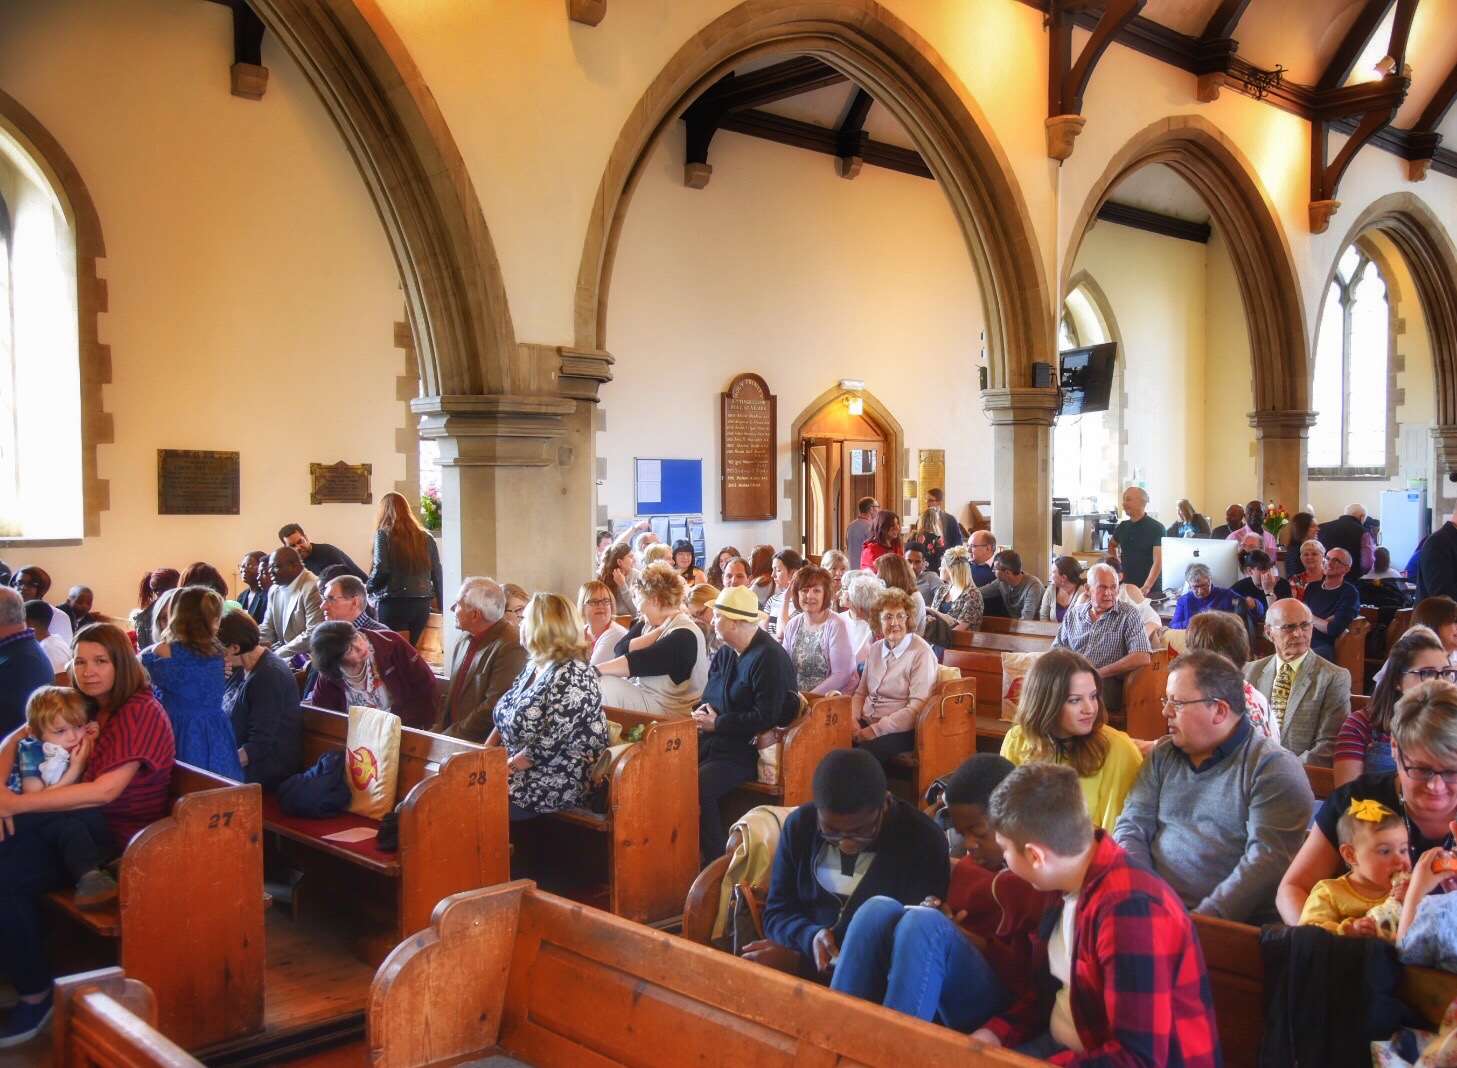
pixel 496 430
pixel 1021 406
pixel 583 372
pixel 1273 423
pixel 1444 445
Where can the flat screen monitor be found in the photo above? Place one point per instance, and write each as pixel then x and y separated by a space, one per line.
pixel 1221 557
pixel 1086 378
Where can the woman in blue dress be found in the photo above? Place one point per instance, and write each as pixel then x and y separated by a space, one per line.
pixel 187 672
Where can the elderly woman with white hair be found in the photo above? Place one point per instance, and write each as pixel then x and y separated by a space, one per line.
pixel 661 663
pixel 484 663
pixel 1203 596
pixel 862 591
pixel 1312 567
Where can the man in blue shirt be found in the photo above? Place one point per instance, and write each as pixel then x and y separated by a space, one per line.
pixel 24 666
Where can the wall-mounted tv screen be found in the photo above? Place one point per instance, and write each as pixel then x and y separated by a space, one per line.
pixel 1086 378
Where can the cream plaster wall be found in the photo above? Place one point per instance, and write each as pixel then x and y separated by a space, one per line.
pixel 823 280
pixel 1155 288
pixel 1231 468
pixel 252 294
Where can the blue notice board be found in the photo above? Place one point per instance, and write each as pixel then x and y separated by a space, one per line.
pixel 668 487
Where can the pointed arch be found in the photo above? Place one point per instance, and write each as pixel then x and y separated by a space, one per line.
pixel 1199 153
pixel 882 54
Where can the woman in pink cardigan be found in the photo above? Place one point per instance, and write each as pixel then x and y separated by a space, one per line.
pixel 900 672
pixel 818 641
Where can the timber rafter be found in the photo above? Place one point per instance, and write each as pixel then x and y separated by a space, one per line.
pixel 1067 78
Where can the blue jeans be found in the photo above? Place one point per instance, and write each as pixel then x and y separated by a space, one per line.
pixel 916 961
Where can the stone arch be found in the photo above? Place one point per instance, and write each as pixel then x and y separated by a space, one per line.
pixel 1406 221
pixel 1198 152
pixel 895 447
pixel 878 51
pixel 91 298
pixel 455 294
pixel 1118 404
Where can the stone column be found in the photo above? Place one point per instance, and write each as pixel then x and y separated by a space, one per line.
pixel 1022 471
pixel 1441 494
pixel 1281 437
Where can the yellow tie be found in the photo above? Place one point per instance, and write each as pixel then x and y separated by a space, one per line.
pixel 1280 695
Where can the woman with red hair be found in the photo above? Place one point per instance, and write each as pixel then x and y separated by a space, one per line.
pixel 405 576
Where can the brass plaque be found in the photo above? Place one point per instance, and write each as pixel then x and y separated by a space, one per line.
pixel 195 482
pixel 747 449
pixel 930 472
pixel 340 483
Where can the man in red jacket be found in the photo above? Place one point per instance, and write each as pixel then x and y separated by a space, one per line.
pixel 1122 978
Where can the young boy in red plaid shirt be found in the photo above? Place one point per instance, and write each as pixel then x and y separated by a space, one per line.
pixel 1121 978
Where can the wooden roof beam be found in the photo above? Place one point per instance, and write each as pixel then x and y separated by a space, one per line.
pixel 248 75
pixel 1224 21
pixel 1353 44
pixel 1067 79
pixel 851 136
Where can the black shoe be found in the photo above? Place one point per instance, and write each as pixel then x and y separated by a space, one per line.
pixel 25 1022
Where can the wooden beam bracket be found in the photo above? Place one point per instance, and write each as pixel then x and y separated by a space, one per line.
pixel 587 12
pixel 249 77
pixel 1067 79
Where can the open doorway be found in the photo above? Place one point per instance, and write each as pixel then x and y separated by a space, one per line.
pixel 843 456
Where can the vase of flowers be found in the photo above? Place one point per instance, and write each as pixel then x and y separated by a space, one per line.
pixel 430 509
pixel 1275 518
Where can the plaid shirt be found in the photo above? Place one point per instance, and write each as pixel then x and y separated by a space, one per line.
pixel 1112 637
pixel 1140 994
pixel 29 754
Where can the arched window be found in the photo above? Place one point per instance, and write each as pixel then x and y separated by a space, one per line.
pixel 40 375
pixel 1350 391
pixel 1086 448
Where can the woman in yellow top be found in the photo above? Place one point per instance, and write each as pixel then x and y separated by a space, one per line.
pixel 1061 720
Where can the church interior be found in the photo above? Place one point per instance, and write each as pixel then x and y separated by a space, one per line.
pixel 553 274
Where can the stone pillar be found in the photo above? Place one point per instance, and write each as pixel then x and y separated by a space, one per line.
pixel 1280 437
pixel 1441 494
pixel 1022 471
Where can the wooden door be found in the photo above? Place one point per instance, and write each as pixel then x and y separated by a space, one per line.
pixel 823 504
pixel 864 475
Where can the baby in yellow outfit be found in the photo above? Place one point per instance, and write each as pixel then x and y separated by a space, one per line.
pixel 1374 846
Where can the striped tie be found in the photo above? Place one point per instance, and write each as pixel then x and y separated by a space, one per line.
pixel 1280 695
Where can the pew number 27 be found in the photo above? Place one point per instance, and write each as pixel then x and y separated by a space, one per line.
pixel 220 819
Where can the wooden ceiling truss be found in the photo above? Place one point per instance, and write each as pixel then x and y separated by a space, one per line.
pixel 1067 78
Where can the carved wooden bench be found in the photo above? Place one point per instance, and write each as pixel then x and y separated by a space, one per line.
pixel 188 921
pixel 452 832
pixel 513 970
pixel 103 1019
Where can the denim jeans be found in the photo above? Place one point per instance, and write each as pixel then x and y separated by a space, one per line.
pixel 916 961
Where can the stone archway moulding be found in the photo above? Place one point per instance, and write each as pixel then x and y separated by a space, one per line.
pixel 454 291
pixel 1103 308
pixel 91 298
pixel 1199 153
pixel 905 75
pixel 895 447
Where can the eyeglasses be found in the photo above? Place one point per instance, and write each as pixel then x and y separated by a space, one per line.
pixel 864 835
pixel 1430 674
pixel 1178 706
pixel 517 612
pixel 1291 628
pixel 599 602
pixel 1418 773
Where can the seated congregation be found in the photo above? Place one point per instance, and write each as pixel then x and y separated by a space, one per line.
pixel 1104 823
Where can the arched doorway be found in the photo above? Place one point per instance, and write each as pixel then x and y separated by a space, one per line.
pixel 841 455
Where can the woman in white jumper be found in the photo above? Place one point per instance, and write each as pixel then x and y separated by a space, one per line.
pixel 661 663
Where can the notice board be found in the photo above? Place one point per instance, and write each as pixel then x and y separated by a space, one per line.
pixel 668 487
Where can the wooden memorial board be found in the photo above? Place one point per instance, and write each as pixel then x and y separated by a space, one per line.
pixel 196 482
pixel 340 483
pixel 749 447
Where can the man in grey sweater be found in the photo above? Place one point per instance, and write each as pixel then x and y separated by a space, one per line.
pixel 1021 593
pixel 1218 810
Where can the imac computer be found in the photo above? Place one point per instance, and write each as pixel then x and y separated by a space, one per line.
pixel 1221 557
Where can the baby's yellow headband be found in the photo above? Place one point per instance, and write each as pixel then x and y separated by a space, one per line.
pixel 1369 811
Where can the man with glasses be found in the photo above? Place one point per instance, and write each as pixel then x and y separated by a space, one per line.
pixel 344 599
pixel 1218 810
pixel 484 663
pixel 854 841
pixel 1309 696
pixel 1333 602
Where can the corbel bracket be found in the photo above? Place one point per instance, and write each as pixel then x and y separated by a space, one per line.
pixel 1067 79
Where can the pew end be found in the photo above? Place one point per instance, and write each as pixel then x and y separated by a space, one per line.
pixel 945 736
pixel 104 1018
pixel 517 971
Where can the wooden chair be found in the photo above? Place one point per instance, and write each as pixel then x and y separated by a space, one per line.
pixel 651 822
pixel 103 1019
pixel 700 908
pixel 515 971
pixel 452 830
pixel 189 918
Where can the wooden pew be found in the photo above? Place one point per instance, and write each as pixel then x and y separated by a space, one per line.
pixel 1351 651
pixel 825 725
pixel 103 1019
pixel 516 971
pixel 945 736
pixel 431 645
pixel 1041 628
pixel 188 921
pixel 1237 978
pixel 452 829
pixel 651 823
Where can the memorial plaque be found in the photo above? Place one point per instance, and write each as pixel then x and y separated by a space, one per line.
pixel 193 482
pixel 749 447
pixel 340 483
pixel 930 472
